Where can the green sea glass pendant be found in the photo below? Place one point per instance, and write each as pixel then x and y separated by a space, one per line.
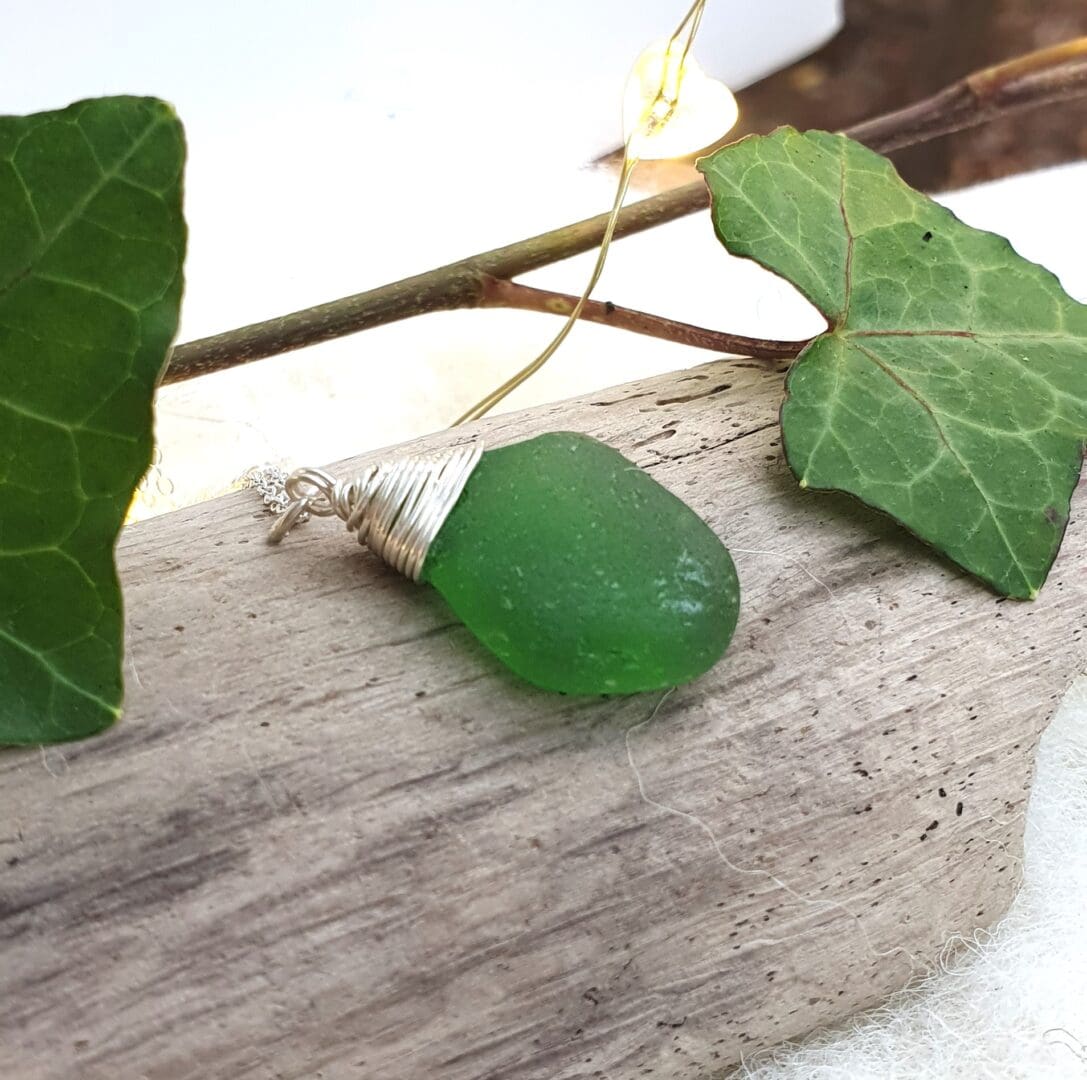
pixel 572 565
pixel 581 573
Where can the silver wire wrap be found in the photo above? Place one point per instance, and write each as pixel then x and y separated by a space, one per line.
pixel 396 507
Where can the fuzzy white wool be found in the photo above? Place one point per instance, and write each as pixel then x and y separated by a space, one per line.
pixel 1011 1004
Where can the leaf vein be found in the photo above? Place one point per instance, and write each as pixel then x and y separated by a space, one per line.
pixel 989 503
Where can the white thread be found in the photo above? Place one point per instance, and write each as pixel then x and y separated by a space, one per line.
pixel 693 819
pixel 261 782
pixel 1078 1049
pixel 795 561
pixel 46 765
pixel 803 569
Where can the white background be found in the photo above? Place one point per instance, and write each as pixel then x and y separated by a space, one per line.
pixel 341 144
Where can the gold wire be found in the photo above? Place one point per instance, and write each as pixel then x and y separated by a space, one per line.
pixel 669 97
pixel 484 406
pixel 694 18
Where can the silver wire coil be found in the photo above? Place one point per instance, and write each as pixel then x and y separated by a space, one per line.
pixel 396 507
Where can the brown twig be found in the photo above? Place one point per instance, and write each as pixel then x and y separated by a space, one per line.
pixel 1057 73
pixel 500 293
pixel 1048 75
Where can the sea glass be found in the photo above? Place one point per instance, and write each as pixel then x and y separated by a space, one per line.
pixel 581 572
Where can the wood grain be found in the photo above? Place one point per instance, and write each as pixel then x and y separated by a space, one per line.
pixel 333 838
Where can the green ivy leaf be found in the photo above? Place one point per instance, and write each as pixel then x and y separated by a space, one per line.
pixel 91 245
pixel 951 388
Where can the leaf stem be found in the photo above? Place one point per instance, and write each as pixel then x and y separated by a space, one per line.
pixel 1045 76
pixel 501 293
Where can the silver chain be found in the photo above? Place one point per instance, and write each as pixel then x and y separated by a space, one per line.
pixel 396 507
pixel 270 483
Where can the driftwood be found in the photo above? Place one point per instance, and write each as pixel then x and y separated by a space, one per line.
pixel 334 838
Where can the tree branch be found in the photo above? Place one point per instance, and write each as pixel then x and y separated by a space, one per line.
pixel 1048 75
pixel 1057 73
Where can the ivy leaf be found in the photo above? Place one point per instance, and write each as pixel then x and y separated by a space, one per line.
pixel 950 390
pixel 91 245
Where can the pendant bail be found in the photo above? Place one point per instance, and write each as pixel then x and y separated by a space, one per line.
pixel 395 507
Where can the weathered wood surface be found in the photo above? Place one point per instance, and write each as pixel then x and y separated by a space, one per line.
pixel 334 838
